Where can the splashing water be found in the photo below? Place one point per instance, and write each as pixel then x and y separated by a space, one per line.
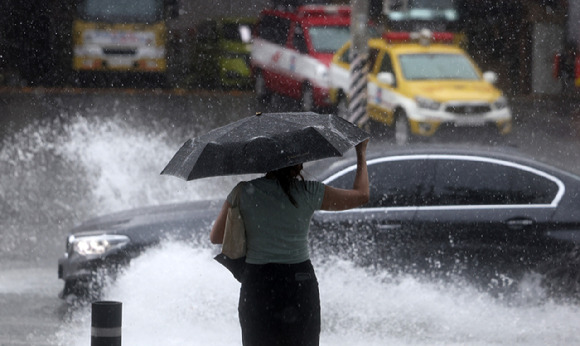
pixel 56 173
pixel 195 303
pixel 123 165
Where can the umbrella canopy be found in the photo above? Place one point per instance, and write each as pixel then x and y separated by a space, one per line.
pixel 264 142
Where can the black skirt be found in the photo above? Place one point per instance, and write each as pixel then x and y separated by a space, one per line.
pixel 279 305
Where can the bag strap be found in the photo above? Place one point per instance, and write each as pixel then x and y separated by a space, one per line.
pixel 236 195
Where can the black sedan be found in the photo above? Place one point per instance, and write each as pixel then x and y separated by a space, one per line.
pixel 442 212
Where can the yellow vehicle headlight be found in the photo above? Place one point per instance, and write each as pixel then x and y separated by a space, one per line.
pixel 500 103
pixel 423 102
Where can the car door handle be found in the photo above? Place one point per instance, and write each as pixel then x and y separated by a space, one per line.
pixel 519 223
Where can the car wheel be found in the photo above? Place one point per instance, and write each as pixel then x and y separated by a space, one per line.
pixel 307 98
pixel 262 93
pixel 81 291
pixel 342 108
pixel 561 277
pixel 402 129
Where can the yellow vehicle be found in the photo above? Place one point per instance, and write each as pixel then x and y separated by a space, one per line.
pixel 222 53
pixel 423 84
pixel 122 36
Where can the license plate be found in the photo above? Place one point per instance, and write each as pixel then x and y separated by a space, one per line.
pixel 469 121
pixel 120 62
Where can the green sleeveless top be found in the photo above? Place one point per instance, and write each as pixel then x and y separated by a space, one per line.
pixel 276 230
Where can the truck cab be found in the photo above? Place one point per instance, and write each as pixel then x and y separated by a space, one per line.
pixel 221 55
pixel 112 38
pixel 292 49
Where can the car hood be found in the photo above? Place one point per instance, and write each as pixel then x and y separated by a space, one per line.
pixel 445 91
pixel 149 225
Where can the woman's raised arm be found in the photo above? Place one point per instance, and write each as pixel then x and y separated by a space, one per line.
pixel 342 199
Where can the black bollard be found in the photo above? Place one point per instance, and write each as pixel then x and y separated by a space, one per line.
pixel 106 320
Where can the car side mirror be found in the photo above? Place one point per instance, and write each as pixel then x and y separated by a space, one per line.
pixel 386 78
pixel 490 77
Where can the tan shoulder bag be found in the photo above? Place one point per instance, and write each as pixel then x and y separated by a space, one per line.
pixel 234 244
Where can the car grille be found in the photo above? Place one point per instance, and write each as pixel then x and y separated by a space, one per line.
pixel 468 109
pixel 119 51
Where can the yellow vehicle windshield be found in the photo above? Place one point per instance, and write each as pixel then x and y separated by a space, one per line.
pixel 437 67
pixel 115 11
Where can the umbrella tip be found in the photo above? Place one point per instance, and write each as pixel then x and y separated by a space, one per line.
pixel 258 113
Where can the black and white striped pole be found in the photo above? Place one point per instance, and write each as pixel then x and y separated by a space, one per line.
pixel 106 321
pixel 357 105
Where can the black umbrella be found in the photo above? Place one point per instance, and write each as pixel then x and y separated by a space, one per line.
pixel 264 142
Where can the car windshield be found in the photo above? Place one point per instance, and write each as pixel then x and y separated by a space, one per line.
pixel 328 39
pixel 437 66
pixel 115 10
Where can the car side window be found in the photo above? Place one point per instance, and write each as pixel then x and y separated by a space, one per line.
pixel 465 182
pixel 274 29
pixel 299 41
pixel 530 188
pixel 396 183
pixel 373 54
pixel 387 66
pixel 345 57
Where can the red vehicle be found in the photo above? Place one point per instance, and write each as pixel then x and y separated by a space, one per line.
pixel 292 49
pixel 567 67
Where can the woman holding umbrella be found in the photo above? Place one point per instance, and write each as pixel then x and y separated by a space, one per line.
pixel 279 298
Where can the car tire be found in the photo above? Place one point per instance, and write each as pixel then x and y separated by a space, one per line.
pixel 81 291
pixel 263 95
pixel 561 277
pixel 402 129
pixel 307 102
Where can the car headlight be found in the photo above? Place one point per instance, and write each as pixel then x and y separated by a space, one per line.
pixel 426 103
pixel 96 244
pixel 500 103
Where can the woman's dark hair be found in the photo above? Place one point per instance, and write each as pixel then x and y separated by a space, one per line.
pixel 286 177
